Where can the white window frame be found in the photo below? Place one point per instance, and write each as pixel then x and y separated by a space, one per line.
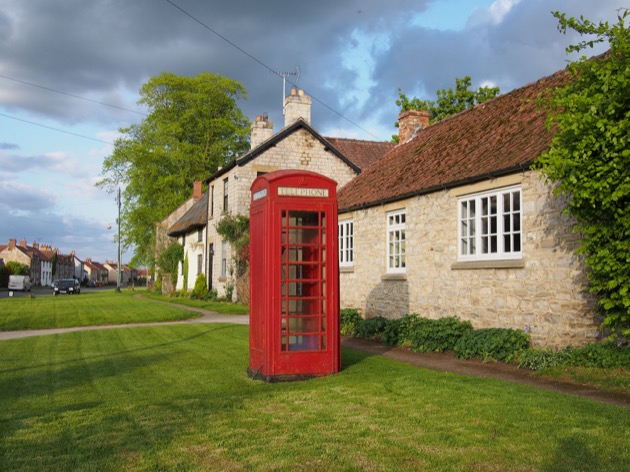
pixel 490 225
pixel 346 243
pixel 224 256
pixel 396 262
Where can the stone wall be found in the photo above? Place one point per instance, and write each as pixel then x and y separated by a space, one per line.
pixel 544 294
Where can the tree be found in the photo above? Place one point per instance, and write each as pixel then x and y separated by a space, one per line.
pixel 589 160
pixel 169 260
pixel 17 268
pixel 448 101
pixel 194 125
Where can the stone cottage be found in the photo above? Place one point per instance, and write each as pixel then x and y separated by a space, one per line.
pixel 297 146
pixel 455 222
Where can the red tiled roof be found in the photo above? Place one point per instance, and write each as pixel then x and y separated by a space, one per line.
pixel 500 136
pixel 361 153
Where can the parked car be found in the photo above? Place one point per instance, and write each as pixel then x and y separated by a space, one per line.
pixel 20 282
pixel 69 286
pixel 91 283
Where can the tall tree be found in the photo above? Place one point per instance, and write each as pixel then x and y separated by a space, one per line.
pixel 589 159
pixel 448 101
pixel 194 125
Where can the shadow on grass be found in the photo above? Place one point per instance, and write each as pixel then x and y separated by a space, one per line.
pixel 573 455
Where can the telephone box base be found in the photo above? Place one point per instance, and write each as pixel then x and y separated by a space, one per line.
pixel 255 374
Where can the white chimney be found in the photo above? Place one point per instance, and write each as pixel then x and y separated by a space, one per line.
pixel 262 130
pixel 296 106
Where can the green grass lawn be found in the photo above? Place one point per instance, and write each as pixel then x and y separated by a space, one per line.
pixel 88 309
pixel 219 307
pixel 178 398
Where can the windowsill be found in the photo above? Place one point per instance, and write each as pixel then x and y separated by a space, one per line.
pixel 394 277
pixel 498 264
pixel 346 269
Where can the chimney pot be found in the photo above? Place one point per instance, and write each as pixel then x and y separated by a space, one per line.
pixel 296 106
pixel 23 242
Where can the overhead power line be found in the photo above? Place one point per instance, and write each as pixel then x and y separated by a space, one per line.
pixel 255 59
pixel 55 129
pixel 71 95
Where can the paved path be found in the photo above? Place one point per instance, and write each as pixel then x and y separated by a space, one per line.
pixel 434 361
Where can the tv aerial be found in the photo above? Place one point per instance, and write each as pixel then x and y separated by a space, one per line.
pixel 284 76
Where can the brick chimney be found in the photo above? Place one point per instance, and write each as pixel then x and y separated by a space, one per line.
pixel 197 193
pixel 411 121
pixel 36 245
pixel 11 243
pixel 262 130
pixel 23 243
pixel 296 106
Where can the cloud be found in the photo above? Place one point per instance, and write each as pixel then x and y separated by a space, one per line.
pixel 8 146
pixel 19 198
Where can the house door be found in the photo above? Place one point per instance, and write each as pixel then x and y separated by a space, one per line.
pixel 210 264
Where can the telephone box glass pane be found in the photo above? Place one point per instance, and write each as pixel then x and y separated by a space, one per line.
pixel 303 285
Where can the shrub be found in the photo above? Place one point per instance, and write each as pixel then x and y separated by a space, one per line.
pixel 349 319
pixel 435 335
pixel 391 332
pixel 540 359
pixel 604 355
pixel 370 328
pixel 496 344
pixel 200 291
pixel 400 332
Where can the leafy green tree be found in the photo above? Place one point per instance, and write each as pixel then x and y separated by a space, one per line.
pixel 194 125
pixel 16 268
pixel 589 160
pixel 448 101
pixel 170 258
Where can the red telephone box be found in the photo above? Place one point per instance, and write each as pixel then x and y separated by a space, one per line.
pixel 294 277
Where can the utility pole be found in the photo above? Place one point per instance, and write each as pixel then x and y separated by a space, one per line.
pixel 118 266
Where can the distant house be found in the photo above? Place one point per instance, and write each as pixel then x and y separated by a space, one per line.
pixel 96 272
pixel 127 274
pixel 40 266
pixel 297 146
pixel 454 222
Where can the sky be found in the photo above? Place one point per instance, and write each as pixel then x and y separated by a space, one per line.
pixel 70 72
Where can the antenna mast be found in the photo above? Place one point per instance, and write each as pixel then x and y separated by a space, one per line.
pixel 284 76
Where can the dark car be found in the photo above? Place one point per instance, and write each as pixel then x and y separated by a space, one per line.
pixel 69 286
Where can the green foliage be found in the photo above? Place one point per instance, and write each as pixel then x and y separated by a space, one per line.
pixel 186 267
pixel 604 355
pixel 54 263
pixel 492 344
pixel 16 268
pixel 349 319
pixel 194 125
pixel 436 335
pixel 370 328
pixel 170 258
pixel 448 101
pixel 235 230
pixel 201 287
pixel 589 161
pixel 540 359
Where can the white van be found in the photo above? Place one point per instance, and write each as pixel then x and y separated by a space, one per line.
pixel 20 282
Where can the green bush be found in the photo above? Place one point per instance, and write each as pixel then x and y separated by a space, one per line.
pixel 391 333
pixel 349 319
pixel 200 291
pixel 371 328
pixel 400 332
pixel 495 344
pixel 606 355
pixel 439 335
pixel 540 359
